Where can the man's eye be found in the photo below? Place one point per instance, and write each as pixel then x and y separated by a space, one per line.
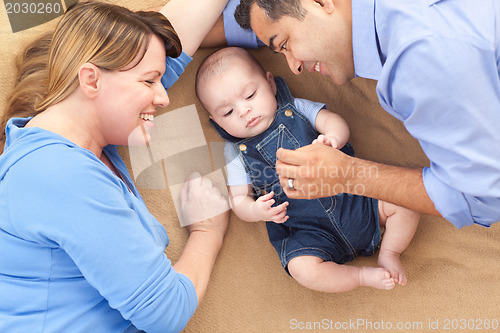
pixel 284 46
pixel 228 113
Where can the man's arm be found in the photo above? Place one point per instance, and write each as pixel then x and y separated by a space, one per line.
pixel 320 171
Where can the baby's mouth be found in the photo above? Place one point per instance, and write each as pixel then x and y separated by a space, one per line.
pixel 254 121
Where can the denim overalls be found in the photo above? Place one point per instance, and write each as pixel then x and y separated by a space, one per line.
pixel 337 228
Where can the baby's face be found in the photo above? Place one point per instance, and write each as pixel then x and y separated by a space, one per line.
pixel 241 100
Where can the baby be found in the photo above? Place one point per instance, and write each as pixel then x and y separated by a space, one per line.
pixel 256 114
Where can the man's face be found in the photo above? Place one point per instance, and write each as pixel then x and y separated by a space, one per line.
pixel 321 42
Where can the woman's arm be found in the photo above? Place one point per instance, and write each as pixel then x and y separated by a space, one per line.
pixel 206 212
pixel 193 20
pixel 216 36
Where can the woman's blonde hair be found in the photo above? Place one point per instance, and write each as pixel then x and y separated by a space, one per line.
pixel 108 36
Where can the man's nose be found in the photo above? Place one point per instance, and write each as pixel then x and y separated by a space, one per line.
pixel 295 65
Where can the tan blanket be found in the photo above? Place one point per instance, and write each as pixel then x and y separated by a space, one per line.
pixel 453 274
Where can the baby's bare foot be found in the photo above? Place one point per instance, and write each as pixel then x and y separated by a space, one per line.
pixel 376 277
pixel 390 261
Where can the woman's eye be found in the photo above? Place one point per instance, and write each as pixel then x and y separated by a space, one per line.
pixel 228 113
pixel 149 82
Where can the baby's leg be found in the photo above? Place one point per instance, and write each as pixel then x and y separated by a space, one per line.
pixel 326 276
pixel 400 226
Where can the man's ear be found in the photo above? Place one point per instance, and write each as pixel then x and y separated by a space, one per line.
pixel 272 83
pixel 89 77
pixel 327 5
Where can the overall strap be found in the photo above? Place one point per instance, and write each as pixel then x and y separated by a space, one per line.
pixel 283 95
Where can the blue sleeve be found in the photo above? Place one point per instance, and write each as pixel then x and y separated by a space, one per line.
pixel 104 232
pixel 236 173
pixel 447 93
pixel 174 69
pixel 309 109
pixel 236 35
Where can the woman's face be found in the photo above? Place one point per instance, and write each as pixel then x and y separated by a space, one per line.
pixel 128 98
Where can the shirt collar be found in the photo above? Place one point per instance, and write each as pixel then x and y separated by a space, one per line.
pixel 367 61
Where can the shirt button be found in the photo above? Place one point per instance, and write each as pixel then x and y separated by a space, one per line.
pixel 288 113
pixel 243 147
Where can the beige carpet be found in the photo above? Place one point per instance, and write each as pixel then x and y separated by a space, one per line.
pixel 453 274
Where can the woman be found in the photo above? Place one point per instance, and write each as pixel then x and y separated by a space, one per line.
pixel 80 251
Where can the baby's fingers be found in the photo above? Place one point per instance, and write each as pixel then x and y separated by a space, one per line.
pixel 266 197
pixel 280 218
pixel 279 209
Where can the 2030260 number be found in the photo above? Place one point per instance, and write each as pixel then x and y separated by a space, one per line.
pixel 33 8
pixel 471 324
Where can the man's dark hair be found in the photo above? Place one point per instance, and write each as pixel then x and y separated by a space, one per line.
pixel 274 10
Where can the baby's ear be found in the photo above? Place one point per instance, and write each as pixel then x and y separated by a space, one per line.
pixel 272 83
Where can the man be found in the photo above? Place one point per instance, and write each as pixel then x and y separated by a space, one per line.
pixel 437 63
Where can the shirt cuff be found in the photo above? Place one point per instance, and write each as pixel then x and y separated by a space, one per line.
pixel 451 203
pixel 236 35
pixel 174 68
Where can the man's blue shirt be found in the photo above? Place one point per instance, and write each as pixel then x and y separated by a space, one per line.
pixel 437 66
pixel 437 63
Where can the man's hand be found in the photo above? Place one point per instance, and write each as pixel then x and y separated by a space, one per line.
pixel 317 171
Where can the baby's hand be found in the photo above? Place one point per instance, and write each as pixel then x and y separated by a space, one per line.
pixel 327 140
pixel 265 212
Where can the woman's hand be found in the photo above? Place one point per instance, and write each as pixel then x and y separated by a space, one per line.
pixel 203 206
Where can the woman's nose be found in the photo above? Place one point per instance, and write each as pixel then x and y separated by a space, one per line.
pixel 161 96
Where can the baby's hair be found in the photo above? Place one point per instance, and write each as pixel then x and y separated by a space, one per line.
pixel 219 62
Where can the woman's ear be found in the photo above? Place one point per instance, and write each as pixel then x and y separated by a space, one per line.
pixel 272 83
pixel 89 78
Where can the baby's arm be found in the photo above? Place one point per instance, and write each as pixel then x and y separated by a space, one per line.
pixel 250 210
pixel 333 129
